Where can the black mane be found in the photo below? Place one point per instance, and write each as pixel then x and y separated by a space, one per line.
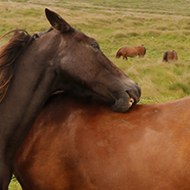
pixel 9 54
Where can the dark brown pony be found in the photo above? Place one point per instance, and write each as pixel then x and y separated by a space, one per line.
pixel 32 68
pixel 131 52
pixel 170 56
pixel 84 146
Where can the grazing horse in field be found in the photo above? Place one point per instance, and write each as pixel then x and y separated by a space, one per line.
pixel 170 56
pixel 84 145
pixel 32 68
pixel 131 52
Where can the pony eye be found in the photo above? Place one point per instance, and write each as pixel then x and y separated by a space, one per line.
pixel 95 45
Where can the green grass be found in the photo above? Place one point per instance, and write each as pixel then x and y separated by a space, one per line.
pixel 14 185
pixel 158 25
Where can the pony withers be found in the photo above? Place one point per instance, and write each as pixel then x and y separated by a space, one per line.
pixel 33 67
pixel 131 52
pixel 170 56
pixel 81 145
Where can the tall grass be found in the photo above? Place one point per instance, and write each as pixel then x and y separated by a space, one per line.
pixel 158 25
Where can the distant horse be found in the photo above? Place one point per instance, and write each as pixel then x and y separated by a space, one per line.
pixel 131 52
pixel 84 146
pixel 34 67
pixel 170 56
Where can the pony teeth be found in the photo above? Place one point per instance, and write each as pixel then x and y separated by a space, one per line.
pixel 131 101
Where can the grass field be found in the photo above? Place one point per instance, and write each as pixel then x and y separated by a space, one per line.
pixel 158 25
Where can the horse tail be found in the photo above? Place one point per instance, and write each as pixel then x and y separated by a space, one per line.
pixel 165 57
pixel 118 54
pixel 144 50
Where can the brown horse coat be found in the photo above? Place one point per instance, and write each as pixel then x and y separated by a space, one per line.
pixel 170 56
pixel 131 52
pixel 84 146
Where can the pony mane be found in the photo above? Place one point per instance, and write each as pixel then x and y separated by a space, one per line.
pixel 8 56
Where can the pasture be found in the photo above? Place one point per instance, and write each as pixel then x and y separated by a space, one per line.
pixel 159 26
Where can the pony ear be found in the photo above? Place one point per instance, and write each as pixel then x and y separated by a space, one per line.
pixel 57 21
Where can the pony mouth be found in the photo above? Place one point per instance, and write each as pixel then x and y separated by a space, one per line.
pixel 122 104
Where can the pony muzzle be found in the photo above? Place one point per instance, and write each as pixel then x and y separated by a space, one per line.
pixel 123 104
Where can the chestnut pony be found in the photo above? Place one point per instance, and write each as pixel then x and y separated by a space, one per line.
pixel 131 52
pixel 34 67
pixel 86 146
pixel 170 56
